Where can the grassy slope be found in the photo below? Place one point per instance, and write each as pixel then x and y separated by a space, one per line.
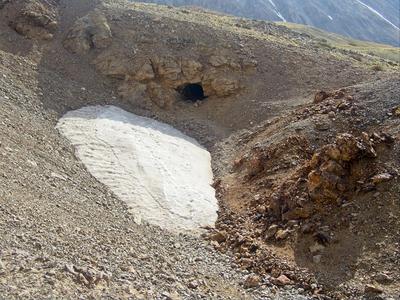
pixel 341 42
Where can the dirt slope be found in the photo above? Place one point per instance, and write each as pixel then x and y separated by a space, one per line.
pixel 63 234
pixel 316 192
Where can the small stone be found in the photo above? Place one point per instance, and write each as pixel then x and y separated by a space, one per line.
pixel 219 236
pixel 82 279
pixel 377 179
pixel 57 176
pixel 320 96
pixel 282 280
pixel 339 95
pixel 383 278
pixel 316 248
pixel 69 268
pixel 282 234
pixel 343 105
pixel 51 273
pixel 307 228
pixel 32 163
pixel 261 209
pixel 193 284
pixel 171 296
pixel 252 281
pixel 271 231
pixel 317 259
pixel 372 289
pixel 293 223
pixel 396 111
pixel 322 126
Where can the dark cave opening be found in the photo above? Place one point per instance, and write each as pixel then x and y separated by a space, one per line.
pixel 192 92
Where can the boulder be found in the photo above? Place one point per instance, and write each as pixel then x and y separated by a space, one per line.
pixel 36 20
pixel 90 32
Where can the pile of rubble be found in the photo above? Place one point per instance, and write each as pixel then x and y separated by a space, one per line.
pixel 287 188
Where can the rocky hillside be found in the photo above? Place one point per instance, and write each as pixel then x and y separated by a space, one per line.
pixel 370 20
pixel 301 136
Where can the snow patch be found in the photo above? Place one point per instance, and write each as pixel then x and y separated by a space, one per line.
pixel 280 16
pixel 377 13
pixel 276 11
pixel 272 3
pixel 163 176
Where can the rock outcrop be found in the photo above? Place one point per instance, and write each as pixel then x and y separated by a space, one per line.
pixel 164 77
pixel 332 174
pixel 89 32
pixel 330 177
pixel 157 77
pixel 35 19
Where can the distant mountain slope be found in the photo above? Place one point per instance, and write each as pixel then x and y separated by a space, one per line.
pixel 372 20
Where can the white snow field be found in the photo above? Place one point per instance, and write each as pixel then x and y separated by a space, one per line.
pixel 163 175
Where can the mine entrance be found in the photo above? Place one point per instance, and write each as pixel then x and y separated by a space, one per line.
pixel 192 92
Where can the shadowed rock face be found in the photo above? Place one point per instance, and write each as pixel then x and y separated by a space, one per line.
pixel 192 92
